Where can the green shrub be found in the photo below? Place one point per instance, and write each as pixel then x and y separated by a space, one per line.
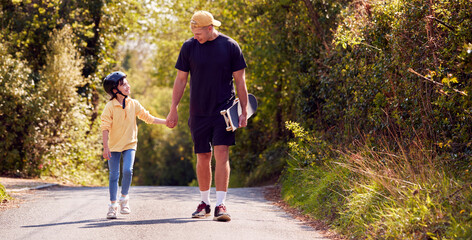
pixel 45 124
pixel 3 194
pixel 310 180
pixel 72 142
pixel 377 193
pixel 316 190
pixel 271 164
pixel 18 114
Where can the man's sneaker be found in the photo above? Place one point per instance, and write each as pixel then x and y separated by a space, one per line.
pixel 124 205
pixel 203 210
pixel 221 214
pixel 112 209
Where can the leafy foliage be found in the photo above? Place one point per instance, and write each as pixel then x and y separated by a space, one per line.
pixel 388 82
pixel 53 55
pixel 392 75
pixel 65 127
pixel 18 111
pixel 3 194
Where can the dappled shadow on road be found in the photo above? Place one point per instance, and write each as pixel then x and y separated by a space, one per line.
pixel 104 223
pixel 98 223
pixel 63 223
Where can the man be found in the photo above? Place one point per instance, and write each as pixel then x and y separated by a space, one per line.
pixel 213 61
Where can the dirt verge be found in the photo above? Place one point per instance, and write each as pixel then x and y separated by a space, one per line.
pixel 273 194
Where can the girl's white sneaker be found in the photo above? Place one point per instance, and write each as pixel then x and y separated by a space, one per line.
pixel 124 204
pixel 112 209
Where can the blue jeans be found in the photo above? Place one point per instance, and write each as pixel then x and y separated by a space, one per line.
pixel 114 167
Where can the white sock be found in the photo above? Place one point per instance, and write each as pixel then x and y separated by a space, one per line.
pixel 205 196
pixel 220 197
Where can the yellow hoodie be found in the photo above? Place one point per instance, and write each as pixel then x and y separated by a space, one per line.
pixel 121 123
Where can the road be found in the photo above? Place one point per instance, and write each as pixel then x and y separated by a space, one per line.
pixel 157 213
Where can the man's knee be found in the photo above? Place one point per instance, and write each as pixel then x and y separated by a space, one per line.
pixel 221 153
pixel 204 158
pixel 221 148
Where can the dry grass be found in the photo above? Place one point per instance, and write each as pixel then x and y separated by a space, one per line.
pixel 273 194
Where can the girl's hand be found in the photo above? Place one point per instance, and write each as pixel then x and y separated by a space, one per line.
pixel 106 153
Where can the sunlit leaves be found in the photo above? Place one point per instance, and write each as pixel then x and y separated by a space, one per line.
pixel 17 114
pixel 58 90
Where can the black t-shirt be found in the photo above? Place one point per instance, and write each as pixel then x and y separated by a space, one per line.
pixel 211 66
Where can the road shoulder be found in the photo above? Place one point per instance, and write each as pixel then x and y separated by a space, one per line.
pixel 273 194
pixel 20 189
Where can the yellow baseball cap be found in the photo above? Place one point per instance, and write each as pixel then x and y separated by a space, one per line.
pixel 203 19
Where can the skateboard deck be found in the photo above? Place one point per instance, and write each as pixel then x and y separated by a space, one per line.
pixel 232 114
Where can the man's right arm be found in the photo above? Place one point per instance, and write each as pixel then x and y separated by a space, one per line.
pixel 177 93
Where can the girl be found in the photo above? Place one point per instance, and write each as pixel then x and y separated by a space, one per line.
pixel 120 137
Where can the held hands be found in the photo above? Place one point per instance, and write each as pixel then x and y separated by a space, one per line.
pixel 172 118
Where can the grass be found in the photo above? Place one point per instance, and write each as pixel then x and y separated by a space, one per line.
pixel 379 193
pixel 3 194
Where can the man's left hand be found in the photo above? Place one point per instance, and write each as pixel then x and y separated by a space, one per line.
pixel 242 120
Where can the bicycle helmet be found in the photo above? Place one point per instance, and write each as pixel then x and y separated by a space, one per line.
pixel 111 82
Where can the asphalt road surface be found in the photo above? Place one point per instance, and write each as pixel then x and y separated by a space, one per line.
pixel 157 213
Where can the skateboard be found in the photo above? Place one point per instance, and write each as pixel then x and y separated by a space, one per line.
pixel 232 114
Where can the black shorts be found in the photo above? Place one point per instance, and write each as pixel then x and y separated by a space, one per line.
pixel 209 131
